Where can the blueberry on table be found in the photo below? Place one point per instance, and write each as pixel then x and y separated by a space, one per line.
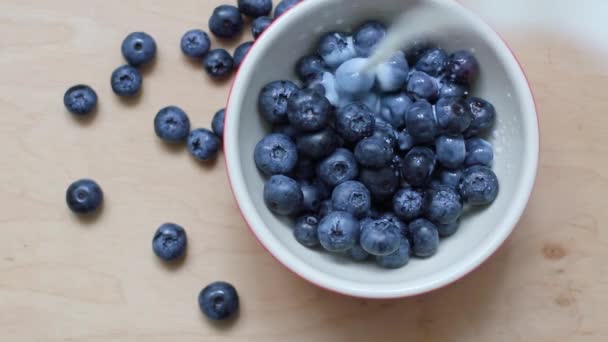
pixel 195 43
pixel 382 183
pixel 203 144
pixel 80 100
pixel 311 200
pixel 226 21
pixel 305 231
pixel 273 100
pixel 433 62
pixel 308 110
pixel 447 230
pixel 284 6
pixel 217 124
pixel 392 75
pixel 409 203
pixel 451 89
pixel 479 185
pixel 169 242
pixel 338 231
pixel 260 25
pixel 444 206
pixel 355 122
pixel 283 195
pixel 397 259
pixel 240 52
pixel 171 124
pixel 138 48
pixel 484 116
pixel 275 154
pixel 421 86
pixel 425 238
pixel 336 48
pixel 126 81
pixel 374 152
pixel 309 67
pixel 318 145
pixel 453 116
pixel 353 197
pixel 418 166
pixel 339 167
pixel 255 8
pixel 420 122
pixel 219 301
pixel 367 37
pixel 479 152
pixel 218 63
pixel 450 150
pixel 380 237
pixel 351 80
pixel 84 196
pixel 462 67
pixel 393 108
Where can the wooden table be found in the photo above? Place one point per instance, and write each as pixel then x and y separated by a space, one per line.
pixel 65 279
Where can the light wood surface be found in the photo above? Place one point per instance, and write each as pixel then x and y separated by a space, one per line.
pixel 63 279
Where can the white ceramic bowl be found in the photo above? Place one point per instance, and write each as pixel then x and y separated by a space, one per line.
pixel 516 142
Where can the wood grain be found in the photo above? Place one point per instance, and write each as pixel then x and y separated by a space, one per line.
pixel 63 279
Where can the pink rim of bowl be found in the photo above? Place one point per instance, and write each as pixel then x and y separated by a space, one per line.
pixel 314 276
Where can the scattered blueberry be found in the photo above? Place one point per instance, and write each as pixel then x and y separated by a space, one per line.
pixel 421 86
pixel 171 124
pixel 463 67
pixel 255 8
pixel 418 166
pixel 433 62
pixel 445 205
pixel 409 204
pixel 226 21
pixel 397 259
pixel 450 151
pixel 382 183
pixel 479 185
pixel 283 195
pixel 336 48
pixel 276 154
pixel 203 144
pixel 138 48
pixel 484 116
pixel 352 196
pixel 195 43
pixel 218 63
pixel 308 110
pixel 240 52
pixel 392 75
pixel 126 81
pixel 84 196
pixel 453 117
pixel 260 25
pixel 338 231
pixel 219 301
pixel 355 122
pixel 319 144
pixel 367 37
pixel 217 124
pixel 351 80
pixel 394 107
pixel 169 242
pixel 273 100
pixel 420 122
pixel 309 67
pixel 305 231
pixel 447 230
pixel 284 6
pixel 339 167
pixel 425 238
pixel 80 100
pixel 380 237
pixel 374 152
pixel 479 152
pixel 312 197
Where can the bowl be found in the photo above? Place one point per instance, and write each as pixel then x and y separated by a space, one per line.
pixel 516 142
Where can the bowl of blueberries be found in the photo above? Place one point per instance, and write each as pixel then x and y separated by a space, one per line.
pixel 388 182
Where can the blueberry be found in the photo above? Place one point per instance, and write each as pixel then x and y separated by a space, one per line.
pixel 405 141
pixel 309 67
pixel 80 100
pixel 226 21
pixel 219 301
pixel 450 150
pixel 374 152
pixel 397 222
pixel 259 25
pixel 273 99
pixel 275 154
pixel 484 116
pixel 479 185
pixel 336 48
pixel 394 107
pixel 255 8
pixel 425 238
pixel 305 231
pixel 138 48
pixel 283 195
pixel 444 206
pixel 305 169
pixel 195 43
pixel 351 80
pixel 420 122
pixel 218 63
pixel 357 253
pixel 325 208
pixel 339 167
pixel 287 130
pixel 126 81
pixel 324 190
pixel 422 86
pixel 451 89
pixel 380 237
pixel 217 124
pixel 325 83
pixel 479 152
pixel 319 144
pixel 171 124
pixel 372 101
pixel 409 204
pixel 338 231
pixel 308 110
pixel 352 196
pixel 355 122
pixel 418 166
pixel 433 62
pixel 447 230
pixel 240 52
pixel 203 144
pixel 284 6
pixel 416 49
pixel 453 117
pixel 462 67
pixel 385 131
pixel 397 259
pixel 84 196
pixel 169 242
pixel 450 178
pixel 312 197
pixel 392 75
pixel 368 36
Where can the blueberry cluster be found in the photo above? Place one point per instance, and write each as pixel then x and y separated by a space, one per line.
pixel 377 163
